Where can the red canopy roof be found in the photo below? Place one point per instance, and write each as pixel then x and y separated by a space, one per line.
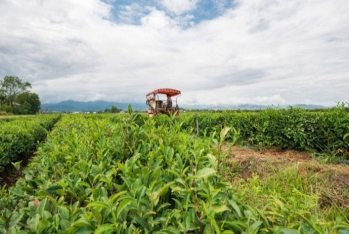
pixel 167 91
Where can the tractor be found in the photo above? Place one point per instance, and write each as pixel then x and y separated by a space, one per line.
pixel 157 104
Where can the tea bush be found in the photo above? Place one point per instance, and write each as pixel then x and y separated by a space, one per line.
pixel 291 128
pixel 19 137
pixel 102 176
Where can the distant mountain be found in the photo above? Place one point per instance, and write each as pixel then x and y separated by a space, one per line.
pixel 226 107
pixel 310 106
pixel 72 106
pixel 249 107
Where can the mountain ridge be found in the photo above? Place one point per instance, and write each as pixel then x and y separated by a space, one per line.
pixel 100 105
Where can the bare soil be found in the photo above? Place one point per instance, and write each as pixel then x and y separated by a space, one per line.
pixel 284 157
pixel 268 161
pixel 10 175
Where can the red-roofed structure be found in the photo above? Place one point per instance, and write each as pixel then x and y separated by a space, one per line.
pixel 156 105
pixel 167 91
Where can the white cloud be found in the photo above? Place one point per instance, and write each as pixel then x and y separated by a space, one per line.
pixel 275 99
pixel 307 101
pixel 179 7
pixel 220 4
pixel 97 96
pixel 131 14
pixel 298 50
pixel 157 19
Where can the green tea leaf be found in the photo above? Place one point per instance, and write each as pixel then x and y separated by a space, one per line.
pixel 286 231
pixel 113 198
pixel 235 207
pixel 219 209
pixel 203 173
pixel 17 165
pixel 124 203
pixel 15 219
pixel 64 212
pixel 105 227
pixel 142 222
pixel 156 195
pixel 54 190
pixel 34 222
pixel 98 204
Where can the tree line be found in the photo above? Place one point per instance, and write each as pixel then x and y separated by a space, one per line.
pixel 16 98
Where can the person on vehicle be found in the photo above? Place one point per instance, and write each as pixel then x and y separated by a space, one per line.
pixel 169 101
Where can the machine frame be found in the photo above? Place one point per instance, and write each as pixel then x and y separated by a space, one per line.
pixel 157 105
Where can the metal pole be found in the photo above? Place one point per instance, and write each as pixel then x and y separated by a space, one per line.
pixel 197 124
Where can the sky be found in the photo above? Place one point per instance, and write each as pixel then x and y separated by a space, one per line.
pixel 265 52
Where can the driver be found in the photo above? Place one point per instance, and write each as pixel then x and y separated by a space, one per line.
pixel 169 101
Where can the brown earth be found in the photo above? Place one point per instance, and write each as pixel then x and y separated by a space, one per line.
pixel 283 157
pixel 268 161
pixel 10 175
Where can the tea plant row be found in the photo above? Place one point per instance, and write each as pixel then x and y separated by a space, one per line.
pixel 19 137
pixel 128 175
pixel 292 128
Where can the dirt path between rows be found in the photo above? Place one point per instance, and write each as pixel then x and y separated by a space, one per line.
pixel 10 175
pixel 307 163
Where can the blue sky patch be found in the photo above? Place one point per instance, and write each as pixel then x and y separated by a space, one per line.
pixel 131 12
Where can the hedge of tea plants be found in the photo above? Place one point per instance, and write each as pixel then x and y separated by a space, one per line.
pixel 4 120
pixel 94 175
pixel 291 128
pixel 19 136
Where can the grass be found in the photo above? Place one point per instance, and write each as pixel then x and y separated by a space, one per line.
pixel 15 116
pixel 280 186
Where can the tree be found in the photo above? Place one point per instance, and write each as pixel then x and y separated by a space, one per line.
pixel 114 109
pixel 7 108
pixel 2 99
pixel 11 87
pixel 29 103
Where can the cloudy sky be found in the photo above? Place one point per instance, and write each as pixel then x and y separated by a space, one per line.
pixel 214 51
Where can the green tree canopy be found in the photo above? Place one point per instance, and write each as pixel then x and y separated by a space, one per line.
pixel 2 97
pixel 29 103
pixel 11 87
pixel 113 109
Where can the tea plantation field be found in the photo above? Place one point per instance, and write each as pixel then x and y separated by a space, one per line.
pixel 133 174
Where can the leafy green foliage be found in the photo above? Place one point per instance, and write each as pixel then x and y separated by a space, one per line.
pixel 132 175
pixel 11 87
pixel 19 137
pixel 29 103
pixel 113 109
pixel 286 191
pixel 291 128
